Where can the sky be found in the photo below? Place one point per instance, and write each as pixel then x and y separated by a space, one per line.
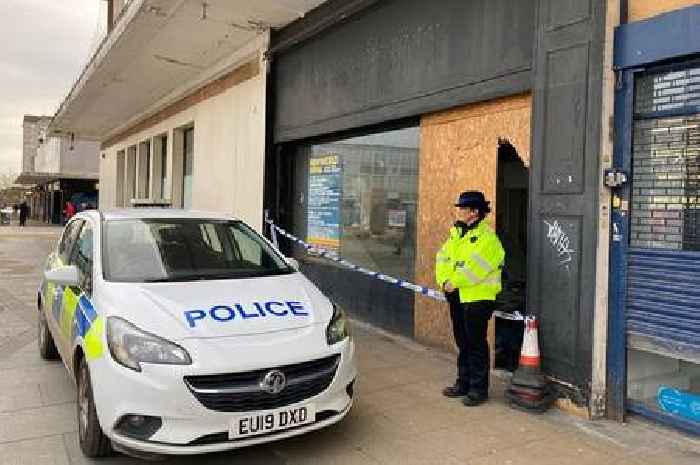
pixel 44 45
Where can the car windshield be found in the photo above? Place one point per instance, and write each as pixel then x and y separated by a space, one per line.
pixel 163 250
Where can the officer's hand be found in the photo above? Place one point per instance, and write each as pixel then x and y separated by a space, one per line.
pixel 448 287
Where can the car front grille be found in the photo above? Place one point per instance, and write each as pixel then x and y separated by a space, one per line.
pixel 241 392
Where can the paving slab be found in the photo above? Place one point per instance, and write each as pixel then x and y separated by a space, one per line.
pixel 42 451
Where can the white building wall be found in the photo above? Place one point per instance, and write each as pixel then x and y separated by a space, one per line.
pixel 83 159
pixel 229 147
pixel 48 158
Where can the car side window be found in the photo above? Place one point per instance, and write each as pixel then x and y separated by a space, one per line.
pixel 83 258
pixel 65 247
pixel 248 249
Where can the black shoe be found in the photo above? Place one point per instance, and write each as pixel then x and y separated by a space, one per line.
pixel 453 392
pixel 472 400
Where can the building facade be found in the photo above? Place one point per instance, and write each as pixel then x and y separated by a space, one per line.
pixel 356 123
pixel 33 128
pixel 411 103
pixel 56 170
pixel 654 337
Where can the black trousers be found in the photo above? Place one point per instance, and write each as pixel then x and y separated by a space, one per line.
pixel 470 323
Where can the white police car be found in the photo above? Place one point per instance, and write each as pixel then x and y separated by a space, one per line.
pixel 187 333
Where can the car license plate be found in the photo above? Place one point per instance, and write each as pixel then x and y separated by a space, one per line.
pixel 243 426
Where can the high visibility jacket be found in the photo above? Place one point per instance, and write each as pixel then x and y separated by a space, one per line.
pixel 472 263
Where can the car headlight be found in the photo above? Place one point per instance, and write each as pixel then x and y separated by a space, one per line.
pixel 338 329
pixel 131 346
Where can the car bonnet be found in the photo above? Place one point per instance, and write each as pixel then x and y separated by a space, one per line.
pixel 219 308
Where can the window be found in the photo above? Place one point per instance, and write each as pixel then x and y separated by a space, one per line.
pixel 144 170
pixel 130 185
pixel 82 258
pixel 187 168
pixel 186 250
pixel 666 161
pixel 362 199
pixel 65 247
pixel 163 166
pixel 121 167
pixel 247 249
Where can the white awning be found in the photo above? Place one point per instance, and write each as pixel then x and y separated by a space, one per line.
pixel 160 50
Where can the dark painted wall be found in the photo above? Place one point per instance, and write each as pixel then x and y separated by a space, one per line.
pixel 564 183
pixel 403 58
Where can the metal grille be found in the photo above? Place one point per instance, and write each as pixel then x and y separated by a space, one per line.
pixel 241 392
pixel 667 90
pixel 666 162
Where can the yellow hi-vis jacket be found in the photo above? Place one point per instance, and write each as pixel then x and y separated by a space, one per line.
pixel 472 263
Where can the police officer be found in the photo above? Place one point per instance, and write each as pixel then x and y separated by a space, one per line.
pixel 468 269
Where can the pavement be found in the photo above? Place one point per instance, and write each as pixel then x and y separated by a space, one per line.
pixel 399 417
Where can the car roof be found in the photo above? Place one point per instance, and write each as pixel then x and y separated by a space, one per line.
pixel 154 213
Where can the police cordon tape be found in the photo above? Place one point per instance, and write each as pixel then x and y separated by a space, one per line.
pixel 330 255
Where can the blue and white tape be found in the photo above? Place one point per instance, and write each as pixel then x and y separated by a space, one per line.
pixel 330 255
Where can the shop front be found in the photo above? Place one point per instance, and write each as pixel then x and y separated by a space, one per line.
pixel 655 329
pixel 383 112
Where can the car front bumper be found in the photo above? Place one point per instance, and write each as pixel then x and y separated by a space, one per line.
pixel 188 427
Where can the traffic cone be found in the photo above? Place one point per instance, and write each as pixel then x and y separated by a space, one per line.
pixel 528 388
pixel 529 372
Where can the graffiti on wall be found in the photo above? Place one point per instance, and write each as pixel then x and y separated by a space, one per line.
pixel 561 242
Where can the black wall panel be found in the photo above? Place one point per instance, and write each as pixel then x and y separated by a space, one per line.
pixel 403 58
pixel 566 126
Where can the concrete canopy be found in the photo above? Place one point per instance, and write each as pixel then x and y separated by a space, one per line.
pixel 33 178
pixel 159 51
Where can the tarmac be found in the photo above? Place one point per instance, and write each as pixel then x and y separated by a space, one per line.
pixel 400 416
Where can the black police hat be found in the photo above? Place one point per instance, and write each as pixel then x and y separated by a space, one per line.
pixel 473 199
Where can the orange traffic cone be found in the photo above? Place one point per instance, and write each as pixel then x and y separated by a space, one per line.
pixel 529 372
pixel 528 387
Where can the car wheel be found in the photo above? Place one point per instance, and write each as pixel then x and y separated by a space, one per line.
pixel 47 347
pixel 93 441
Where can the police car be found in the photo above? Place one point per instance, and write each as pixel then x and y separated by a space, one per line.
pixel 189 333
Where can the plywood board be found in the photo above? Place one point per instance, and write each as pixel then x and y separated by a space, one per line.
pixel 644 9
pixel 459 151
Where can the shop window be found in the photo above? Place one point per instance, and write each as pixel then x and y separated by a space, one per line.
pixel 121 167
pixel 130 186
pixel 666 161
pixel 362 199
pixel 144 170
pixel 159 168
pixel 163 164
pixel 663 365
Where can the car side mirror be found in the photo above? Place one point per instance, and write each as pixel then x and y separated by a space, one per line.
pixel 293 262
pixel 63 275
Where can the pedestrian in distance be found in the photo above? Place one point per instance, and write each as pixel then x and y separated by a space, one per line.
pixel 468 270
pixel 23 213
pixel 68 211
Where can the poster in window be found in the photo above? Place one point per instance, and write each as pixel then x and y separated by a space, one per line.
pixel 325 184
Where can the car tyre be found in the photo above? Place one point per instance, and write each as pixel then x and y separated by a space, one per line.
pixel 47 346
pixel 93 441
